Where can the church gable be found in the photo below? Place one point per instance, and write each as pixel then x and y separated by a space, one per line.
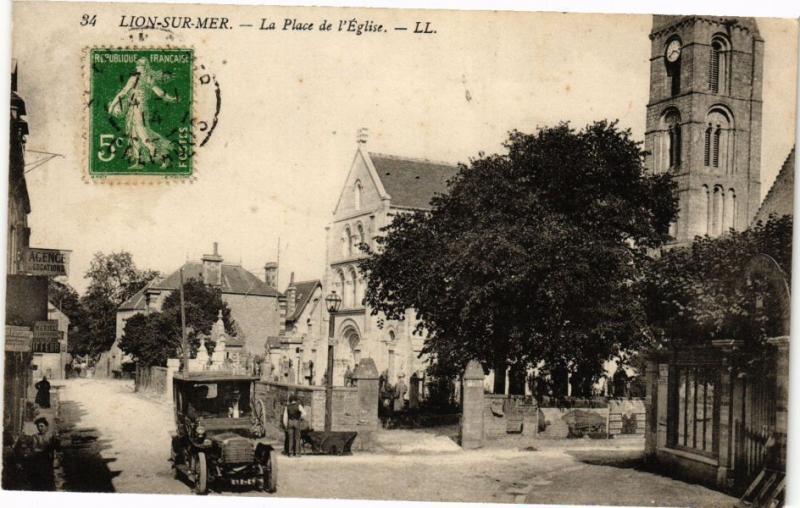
pixel 362 190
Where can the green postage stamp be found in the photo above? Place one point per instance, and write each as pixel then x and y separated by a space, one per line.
pixel 140 114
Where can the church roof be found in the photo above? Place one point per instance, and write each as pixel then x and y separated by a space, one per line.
pixel 779 200
pixel 412 183
pixel 660 22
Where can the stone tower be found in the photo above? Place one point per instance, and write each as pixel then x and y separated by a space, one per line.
pixel 704 119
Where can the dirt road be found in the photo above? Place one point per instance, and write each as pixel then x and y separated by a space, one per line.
pixel 118 441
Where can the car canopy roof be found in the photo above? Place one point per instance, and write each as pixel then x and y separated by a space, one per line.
pixel 211 376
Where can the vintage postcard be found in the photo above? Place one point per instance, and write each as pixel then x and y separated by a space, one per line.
pixel 395 254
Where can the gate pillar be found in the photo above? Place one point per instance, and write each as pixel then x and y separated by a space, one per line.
pixel 472 406
pixel 366 379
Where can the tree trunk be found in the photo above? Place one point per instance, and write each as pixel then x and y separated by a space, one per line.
pixel 499 377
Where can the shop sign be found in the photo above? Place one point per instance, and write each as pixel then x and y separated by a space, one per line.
pixel 50 262
pixel 18 339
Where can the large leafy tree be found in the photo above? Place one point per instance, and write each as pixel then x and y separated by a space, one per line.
pixel 154 337
pixel 113 278
pixel 709 290
pixel 532 255
pixel 66 299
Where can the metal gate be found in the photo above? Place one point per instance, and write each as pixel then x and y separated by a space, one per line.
pixel 754 422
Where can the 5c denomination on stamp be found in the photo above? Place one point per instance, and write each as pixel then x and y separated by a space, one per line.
pixel 140 112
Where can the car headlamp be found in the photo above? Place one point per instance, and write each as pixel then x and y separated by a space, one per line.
pixel 200 430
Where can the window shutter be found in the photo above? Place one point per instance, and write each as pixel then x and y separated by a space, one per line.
pixel 707 147
pixel 713 71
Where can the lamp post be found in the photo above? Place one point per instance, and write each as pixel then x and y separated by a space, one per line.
pixel 332 302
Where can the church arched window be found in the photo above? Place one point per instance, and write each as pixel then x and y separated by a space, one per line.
pixel 342 283
pixel 717 210
pixel 355 291
pixel 347 242
pixel 718 142
pixel 671 140
pixel 705 210
pixel 729 215
pixel 361 236
pixel 718 64
pixel 357 195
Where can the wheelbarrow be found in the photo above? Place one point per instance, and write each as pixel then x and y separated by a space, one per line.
pixel 330 442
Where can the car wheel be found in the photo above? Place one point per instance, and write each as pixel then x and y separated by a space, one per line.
pixel 200 471
pixel 173 457
pixel 271 472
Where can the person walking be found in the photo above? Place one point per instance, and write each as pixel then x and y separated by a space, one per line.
pixel 43 393
pixel 294 423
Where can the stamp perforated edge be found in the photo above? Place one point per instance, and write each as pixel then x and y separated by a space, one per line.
pixel 138 179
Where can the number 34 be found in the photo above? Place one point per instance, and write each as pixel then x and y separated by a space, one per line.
pixel 108 147
pixel 89 20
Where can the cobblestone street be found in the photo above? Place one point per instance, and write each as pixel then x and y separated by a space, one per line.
pixel 123 439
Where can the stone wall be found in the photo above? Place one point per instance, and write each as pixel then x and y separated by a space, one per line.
pixel 345 406
pixel 626 416
pixel 509 415
pixel 151 379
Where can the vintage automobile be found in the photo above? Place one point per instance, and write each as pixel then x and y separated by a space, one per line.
pixel 220 433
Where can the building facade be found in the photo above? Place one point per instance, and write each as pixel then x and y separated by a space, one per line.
pixel 254 304
pixel 704 119
pixel 298 354
pixel 17 373
pixel 377 188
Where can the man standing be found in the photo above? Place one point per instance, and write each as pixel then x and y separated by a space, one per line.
pixel 294 416
pixel 400 391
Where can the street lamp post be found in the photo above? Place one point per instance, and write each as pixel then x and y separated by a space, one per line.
pixel 332 302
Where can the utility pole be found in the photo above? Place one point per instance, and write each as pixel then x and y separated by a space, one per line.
pixel 184 342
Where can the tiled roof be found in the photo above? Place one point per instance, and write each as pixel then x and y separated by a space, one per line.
pixel 412 183
pixel 135 302
pixel 235 280
pixel 303 292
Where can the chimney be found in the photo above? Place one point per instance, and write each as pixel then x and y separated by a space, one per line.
pixel 282 314
pixel 212 268
pixel 271 274
pixel 291 296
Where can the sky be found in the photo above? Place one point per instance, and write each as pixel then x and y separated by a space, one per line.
pixel 292 104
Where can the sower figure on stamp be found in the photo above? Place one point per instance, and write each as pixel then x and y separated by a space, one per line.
pixel 294 422
pixel 145 144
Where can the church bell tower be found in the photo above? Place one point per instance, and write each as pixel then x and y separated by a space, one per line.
pixel 704 119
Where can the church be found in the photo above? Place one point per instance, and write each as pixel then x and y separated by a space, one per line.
pixel 377 188
pixel 703 125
